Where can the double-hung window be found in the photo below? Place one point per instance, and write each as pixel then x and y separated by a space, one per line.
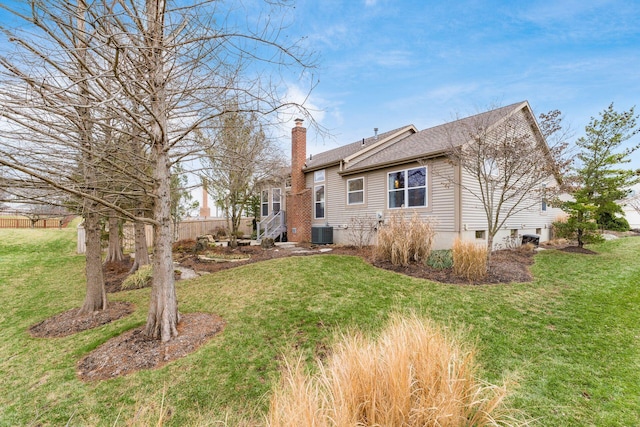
pixel 408 188
pixel 275 200
pixel 264 202
pixel 318 195
pixel 355 191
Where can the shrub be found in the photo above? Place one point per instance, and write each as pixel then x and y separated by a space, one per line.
pixel 526 248
pixel 402 241
pixel 360 230
pixel 567 229
pixel 608 221
pixel 140 279
pixel 218 232
pixel 440 259
pixel 469 260
pixel 412 375
pixel 184 245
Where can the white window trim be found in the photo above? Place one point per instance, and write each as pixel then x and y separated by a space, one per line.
pixel 357 191
pixel 264 202
pixel 319 176
pixel 324 202
pixel 407 188
pixel 273 199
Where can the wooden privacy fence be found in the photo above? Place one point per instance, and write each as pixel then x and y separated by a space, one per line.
pixel 27 223
pixel 192 228
pixel 189 229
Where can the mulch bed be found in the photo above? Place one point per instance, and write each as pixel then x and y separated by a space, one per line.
pixel 578 250
pixel 254 253
pixel 132 350
pixel 69 322
pixel 115 272
pixel 506 266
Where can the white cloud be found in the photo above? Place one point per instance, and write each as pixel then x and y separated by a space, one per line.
pixel 296 94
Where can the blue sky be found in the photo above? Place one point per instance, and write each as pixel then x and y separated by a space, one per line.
pixel 388 63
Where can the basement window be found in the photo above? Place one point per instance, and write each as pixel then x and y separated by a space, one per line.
pixel 481 234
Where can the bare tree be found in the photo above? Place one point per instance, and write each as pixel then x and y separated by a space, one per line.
pixel 238 156
pixel 153 72
pixel 48 131
pixel 634 202
pixel 506 163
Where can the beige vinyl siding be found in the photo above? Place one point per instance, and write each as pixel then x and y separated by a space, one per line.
pixel 527 221
pixel 443 195
pixel 338 214
pixel 473 215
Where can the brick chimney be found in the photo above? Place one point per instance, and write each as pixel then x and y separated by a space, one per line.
pixel 298 156
pixel 299 205
pixel 204 209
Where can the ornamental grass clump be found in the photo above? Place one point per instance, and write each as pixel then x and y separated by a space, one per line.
pixel 141 278
pixel 411 375
pixel 403 241
pixel 469 260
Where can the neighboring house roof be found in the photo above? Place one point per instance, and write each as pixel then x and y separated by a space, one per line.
pixel 406 144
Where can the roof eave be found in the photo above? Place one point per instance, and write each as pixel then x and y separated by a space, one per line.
pixel 320 166
pixel 435 154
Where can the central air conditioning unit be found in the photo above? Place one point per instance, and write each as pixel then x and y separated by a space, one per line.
pixel 322 235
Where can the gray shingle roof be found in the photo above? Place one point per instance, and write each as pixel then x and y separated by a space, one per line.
pixel 432 141
pixel 334 156
pixel 415 145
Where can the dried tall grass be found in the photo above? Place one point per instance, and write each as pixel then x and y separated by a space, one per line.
pixel 469 260
pixel 402 241
pixel 412 375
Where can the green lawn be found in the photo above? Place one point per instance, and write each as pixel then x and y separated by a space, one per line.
pixel 570 339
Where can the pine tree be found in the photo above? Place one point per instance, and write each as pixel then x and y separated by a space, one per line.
pixel 600 179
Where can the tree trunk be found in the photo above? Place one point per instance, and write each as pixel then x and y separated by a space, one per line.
pixel 163 316
pixel 114 253
pixel 579 236
pixel 141 250
pixel 579 230
pixel 233 240
pixel 96 296
pixel 489 249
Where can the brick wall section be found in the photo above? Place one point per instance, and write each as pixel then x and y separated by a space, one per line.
pixel 299 200
pixel 299 216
